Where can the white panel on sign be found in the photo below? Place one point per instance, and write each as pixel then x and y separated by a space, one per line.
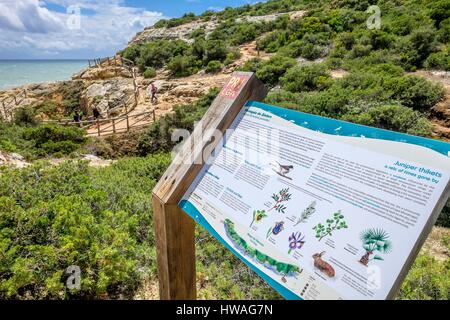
pixel 321 209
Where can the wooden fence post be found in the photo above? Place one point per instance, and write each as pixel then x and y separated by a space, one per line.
pixel 174 229
pixel 114 124
pixel 154 115
pixel 128 121
pixel 98 127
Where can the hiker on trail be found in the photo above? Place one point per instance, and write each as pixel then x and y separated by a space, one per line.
pixel 96 113
pixel 77 118
pixel 153 90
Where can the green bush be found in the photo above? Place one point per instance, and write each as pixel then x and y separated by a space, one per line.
pixel 415 92
pixel 428 279
pixel 156 54
pixel 270 71
pixel 25 116
pixel 306 78
pixel 391 117
pixel 132 52
pixel 438 60
pixel 213 66
pixel 97 219
pixel 215 50
pixel 171 23
pixel 149 73
pixel 251 65
pixel 232 56
pixel 50 108
pixel 53 139
pixel 182 66
pixel 444 218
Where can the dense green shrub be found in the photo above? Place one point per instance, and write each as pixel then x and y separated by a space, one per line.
pixel 391 117
pixel 50 108
pixel 309 47
pixel 270 71
pixel 415 92
pixel 55 140
pixel 429 279
pixel 245 32
pixel 251 65
pixel 438 60
pixel 233 55
pixel 306 78
pixel 11 140
pixel 149 73
pixel 215 50
pixel 99 220
pixel 25 116
pixel 182 66
pixel 213 66
pixel 132 52
pixel 164 23
pixel 156 54
pixel 444 217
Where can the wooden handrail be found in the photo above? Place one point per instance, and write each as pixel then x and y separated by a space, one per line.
pixel 107 120
pixel 7 106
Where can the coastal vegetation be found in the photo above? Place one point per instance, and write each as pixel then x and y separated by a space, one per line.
pixel 100 219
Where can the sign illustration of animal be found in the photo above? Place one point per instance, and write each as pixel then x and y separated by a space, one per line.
pixel 322 265
pixel 283 170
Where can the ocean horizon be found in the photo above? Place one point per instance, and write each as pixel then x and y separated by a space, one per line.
pixel 15 73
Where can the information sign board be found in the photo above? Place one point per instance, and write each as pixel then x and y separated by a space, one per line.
pixel 320 208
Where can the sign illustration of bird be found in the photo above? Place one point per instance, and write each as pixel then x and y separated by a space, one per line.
pixel 283 170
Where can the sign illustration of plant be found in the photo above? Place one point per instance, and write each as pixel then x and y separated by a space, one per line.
pixel 308 212
pixel 258 215
pixel 282 196
pixel 296 241
pixel 336 222
pixel 374 240
pixel 279 226
pixel 278 267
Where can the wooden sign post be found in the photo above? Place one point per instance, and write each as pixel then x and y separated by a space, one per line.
pixel 174 229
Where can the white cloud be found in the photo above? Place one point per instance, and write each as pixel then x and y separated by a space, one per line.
pixel 105 26
pixel 27 16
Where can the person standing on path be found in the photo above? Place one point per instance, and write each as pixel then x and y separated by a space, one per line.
pixel 153 91
pixel 77 118
pixel 96 114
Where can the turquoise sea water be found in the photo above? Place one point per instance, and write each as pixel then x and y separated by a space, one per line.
pixel 15 73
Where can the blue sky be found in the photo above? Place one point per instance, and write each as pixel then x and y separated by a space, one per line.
pixel 82 29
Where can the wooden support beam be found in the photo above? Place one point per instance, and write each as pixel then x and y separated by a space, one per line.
pixel 174 229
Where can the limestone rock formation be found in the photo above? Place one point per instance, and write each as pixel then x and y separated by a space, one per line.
pixel 109 94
